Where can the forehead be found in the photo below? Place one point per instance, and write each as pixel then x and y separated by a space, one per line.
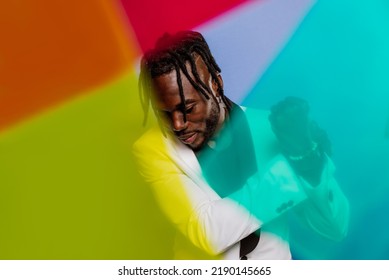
pixel 167 89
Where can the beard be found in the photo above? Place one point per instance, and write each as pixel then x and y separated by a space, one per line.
pixel 211 124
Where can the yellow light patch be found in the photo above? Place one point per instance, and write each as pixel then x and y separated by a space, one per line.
pixel 69 188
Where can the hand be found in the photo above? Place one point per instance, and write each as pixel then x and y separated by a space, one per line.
pixel 302 140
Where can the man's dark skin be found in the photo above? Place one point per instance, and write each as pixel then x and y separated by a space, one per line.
pixel 204 118
pixel 218 153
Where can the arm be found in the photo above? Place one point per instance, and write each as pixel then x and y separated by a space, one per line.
pixel 211 223
pixel 306 148
pixel 327 211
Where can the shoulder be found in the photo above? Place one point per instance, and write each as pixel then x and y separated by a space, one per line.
pixel 258 120
pixel 152 157
pixel 152 140
pixel 255 111
pixel 265 142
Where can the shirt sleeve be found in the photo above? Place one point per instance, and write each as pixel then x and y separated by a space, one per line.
pixel 324 208
pixel 211 223
pixel 327 210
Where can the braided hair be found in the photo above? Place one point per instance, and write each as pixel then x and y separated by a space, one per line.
pixel 171 53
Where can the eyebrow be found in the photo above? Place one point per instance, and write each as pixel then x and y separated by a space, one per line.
pixel 181 105
pixel 187 102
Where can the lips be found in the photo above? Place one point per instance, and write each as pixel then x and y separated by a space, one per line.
pixel 188 138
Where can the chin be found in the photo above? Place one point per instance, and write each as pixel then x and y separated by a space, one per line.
pixel 195 146
pixel 198 146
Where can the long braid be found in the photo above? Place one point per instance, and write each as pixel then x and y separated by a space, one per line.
pixel 171 54
pixel 181 63
pixel 180 89
pixel 214 70
pixel 197 77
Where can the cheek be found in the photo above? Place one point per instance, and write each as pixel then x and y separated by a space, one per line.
pixel 199 118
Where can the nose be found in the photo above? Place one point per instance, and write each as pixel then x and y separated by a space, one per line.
pixel 178 123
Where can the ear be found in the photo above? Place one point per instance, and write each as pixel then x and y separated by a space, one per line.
pixel 215 86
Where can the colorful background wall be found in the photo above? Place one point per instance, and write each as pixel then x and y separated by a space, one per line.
pixel 69 113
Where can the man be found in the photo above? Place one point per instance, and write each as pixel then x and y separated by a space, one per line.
pixel 218 171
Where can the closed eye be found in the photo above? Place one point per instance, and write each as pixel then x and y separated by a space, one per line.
pixel 189 110
pixel 164 114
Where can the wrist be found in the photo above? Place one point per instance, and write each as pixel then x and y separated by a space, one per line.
pixel 308 165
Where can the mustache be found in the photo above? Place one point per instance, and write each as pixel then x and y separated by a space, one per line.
pixel 185 133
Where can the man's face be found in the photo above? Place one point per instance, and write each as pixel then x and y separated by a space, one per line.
pixel 203 116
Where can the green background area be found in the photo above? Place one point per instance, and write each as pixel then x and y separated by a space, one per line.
pixel 69 188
